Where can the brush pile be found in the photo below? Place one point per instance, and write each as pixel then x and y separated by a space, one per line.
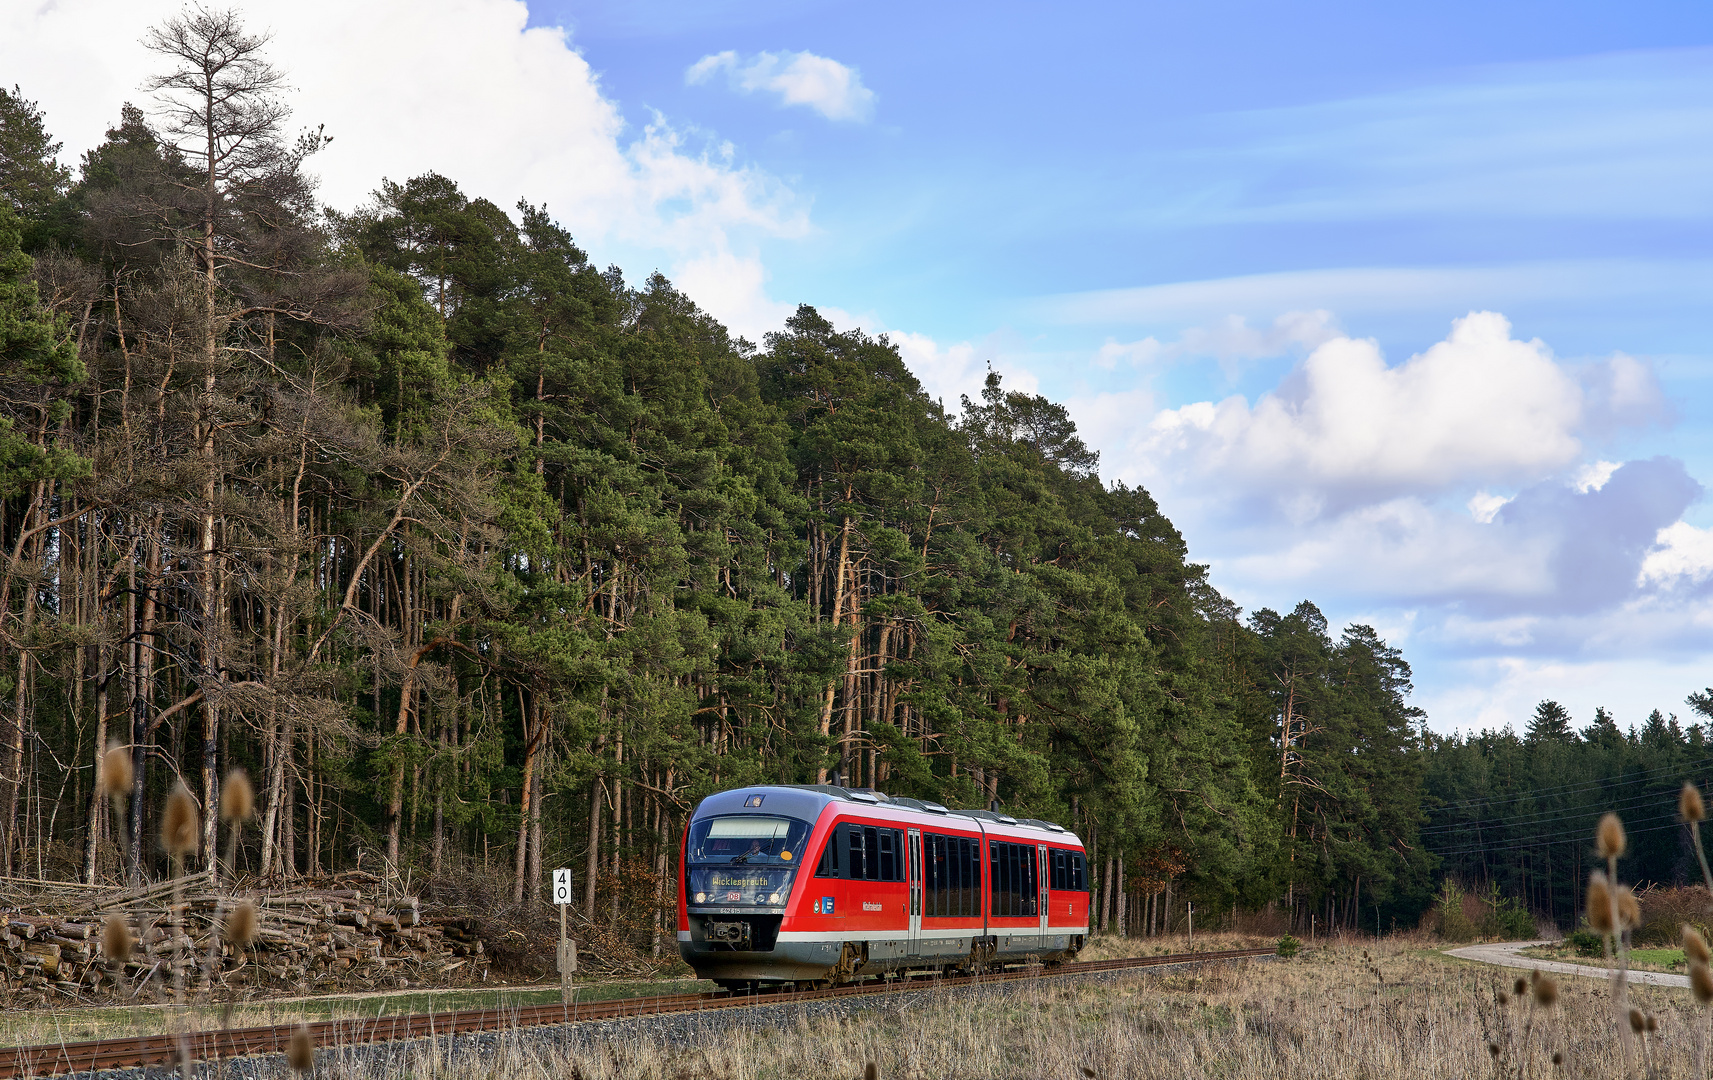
pixel 346 931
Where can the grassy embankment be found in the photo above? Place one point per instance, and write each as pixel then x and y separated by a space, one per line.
pixel 38 1027
pixel 1399 1010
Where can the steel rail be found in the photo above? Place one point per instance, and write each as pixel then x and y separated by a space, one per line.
pixel 142 1050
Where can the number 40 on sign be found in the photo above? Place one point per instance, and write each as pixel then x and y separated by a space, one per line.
pixel 567 947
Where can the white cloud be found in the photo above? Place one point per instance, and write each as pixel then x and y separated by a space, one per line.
pixel 1593 476
pixel 798 78
pixel 1402 549
pixel 1484 506
pixel 1682 553
pixel 1478 406
pixel 1491 692
pixel 461 87
pixel 951 372
pixel 734 290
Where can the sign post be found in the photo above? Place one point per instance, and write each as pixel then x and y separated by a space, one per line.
pixel 567 947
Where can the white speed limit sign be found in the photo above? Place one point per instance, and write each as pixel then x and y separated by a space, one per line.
pixel 562 886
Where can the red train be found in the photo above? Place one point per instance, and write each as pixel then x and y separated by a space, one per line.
pixel 815 884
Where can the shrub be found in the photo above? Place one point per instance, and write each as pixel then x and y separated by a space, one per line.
pixel 1507 918
pixel 1586 942
pixel 1454 921
pixel 1665 910
pixel 1288 946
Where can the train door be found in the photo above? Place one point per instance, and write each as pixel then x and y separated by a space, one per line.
pixel 1042 904
pixel 913 870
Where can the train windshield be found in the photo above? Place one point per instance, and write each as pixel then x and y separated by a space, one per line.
pixel 746 859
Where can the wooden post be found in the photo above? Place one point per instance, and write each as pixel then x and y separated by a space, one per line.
pixel 567 948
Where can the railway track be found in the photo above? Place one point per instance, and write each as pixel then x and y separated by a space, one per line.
pixel 142 1050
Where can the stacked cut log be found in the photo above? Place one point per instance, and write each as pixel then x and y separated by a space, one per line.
pixel 350 931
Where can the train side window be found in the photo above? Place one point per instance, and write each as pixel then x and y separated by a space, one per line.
pixel 934 873
pixel 954 876
pixel 946 885
pixel 955 879
pixel 1078 881
pixel 972 876
pixel 888 858
pixel 1002 866
pixel 829 866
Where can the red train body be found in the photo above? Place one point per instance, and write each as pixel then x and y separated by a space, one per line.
pixel 821 884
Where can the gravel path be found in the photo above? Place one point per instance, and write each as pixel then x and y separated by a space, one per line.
pixel 1505 954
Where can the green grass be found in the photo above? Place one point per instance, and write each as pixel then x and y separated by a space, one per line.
pixel 1666 960
pixel 1663 958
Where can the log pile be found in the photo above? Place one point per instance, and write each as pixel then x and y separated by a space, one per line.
pixel 347 931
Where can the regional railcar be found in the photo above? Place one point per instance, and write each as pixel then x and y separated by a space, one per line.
pixel 817 885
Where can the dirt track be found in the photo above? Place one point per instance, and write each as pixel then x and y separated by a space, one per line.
pixel 1505 953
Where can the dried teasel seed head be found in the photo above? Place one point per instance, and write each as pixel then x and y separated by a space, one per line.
pixel 1503 998
pixel 1652 1023
pixel 1638 1022
pixel 1689 804
pixel 1599 903
pixel 1629 908
pixel 1493 1049
pixel 300 1052
pixel 237 797
pixel 116 939
pixel 1546 991
pixel 1557 1057
pixel 1609 838
pixel 871 1071
pixel 1695 946
pixel 1520 987
pixel 180 826
pixel 116 774
pixel 240 928
pixel 1701 981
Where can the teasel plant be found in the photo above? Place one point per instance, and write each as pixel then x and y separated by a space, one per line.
pixel 300 1052
pixel 180 828
pixel 1613 911
pixel 116 777
pixel 237 805
pixel 1693 810
pixel 1695 950
pixel 1542 993
pixel 116 945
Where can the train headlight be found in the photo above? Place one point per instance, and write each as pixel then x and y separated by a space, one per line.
pixel 701 896
pixel 773 899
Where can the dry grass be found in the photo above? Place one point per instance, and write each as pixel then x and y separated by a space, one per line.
pixel 37 1027
pixel 1397 1011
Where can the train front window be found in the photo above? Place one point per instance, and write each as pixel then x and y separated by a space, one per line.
pixel 743 860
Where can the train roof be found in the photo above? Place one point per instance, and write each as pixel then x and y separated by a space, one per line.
pixel 808 800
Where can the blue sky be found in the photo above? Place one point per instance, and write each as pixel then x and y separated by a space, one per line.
pixel 1401 310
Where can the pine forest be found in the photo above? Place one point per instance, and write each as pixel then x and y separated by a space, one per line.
pixel 483 560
